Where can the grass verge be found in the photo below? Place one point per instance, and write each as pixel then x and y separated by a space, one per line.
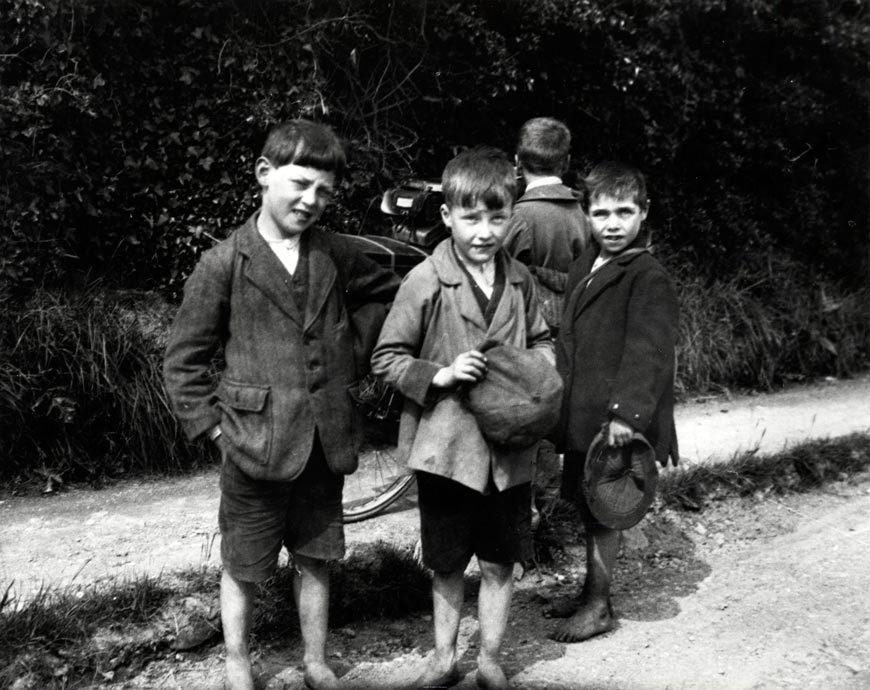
pixel 75 637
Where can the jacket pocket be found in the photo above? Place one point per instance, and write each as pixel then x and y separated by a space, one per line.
pixel 246 420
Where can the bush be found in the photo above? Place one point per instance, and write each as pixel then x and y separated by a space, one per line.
pixel 81 392
pixel 132 127
pixel 758 331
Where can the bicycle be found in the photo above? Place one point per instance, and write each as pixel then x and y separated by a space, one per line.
pixel 412 229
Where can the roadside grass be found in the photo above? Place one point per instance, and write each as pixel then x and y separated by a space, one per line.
pixel 761 329
pixel 802 468
pixel 76 636
pixel 81 390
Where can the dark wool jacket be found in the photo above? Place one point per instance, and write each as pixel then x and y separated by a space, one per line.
pixel 548 231
pixel 616 351
pixel 286 373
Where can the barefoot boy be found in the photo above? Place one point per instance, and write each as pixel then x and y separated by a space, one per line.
pixel 278 297
pixel 474 497
pixel 615 353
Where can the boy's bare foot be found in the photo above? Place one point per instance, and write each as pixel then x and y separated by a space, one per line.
pixel 591 619
pixel 490 676
pixel 318 676
pixel 564 607
pixel 239 674
pixel 438 675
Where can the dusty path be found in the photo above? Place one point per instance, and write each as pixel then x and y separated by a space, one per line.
pixel 768 593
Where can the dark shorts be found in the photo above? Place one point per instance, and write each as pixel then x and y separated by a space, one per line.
pixel 457 522
pixel 258 517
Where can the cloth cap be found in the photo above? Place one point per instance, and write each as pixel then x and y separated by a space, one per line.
pixel 620 482
pixel 518 400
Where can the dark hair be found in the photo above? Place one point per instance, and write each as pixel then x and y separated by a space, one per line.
pixel 480 174
pixel 618 180
pixel 544 146
pixel 305 143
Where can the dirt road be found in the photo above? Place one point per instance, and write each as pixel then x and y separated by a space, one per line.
pixel 756 593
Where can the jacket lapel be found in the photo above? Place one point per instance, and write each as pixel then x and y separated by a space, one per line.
pixel 322 275
pixel 265 271
pixel 450 273
pixel 607 275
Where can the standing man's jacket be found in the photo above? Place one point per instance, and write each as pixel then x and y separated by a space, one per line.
pixel 286 373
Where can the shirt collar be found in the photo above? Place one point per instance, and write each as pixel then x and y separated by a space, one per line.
pixel 544 181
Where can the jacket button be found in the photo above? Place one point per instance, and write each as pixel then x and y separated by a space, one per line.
pixel 615 406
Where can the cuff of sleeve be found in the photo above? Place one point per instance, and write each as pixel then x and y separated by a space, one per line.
pixel 417 379
pixel 631 417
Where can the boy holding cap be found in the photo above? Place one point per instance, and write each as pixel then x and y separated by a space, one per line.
pixel 616 355
pixel 474 496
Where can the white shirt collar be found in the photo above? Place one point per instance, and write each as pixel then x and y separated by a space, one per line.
pixel 544 181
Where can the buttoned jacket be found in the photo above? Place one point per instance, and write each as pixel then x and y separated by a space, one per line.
pixel 286 372
pixel 616 351
pixel 434 319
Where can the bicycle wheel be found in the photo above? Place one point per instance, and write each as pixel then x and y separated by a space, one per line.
pixel 380 481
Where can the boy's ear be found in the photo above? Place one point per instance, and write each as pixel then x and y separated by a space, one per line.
pixel 262 168
pixel 645 210
pixel 445 216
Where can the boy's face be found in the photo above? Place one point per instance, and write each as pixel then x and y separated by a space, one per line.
pixel 294 196
pixel 615 223
pixel 477 231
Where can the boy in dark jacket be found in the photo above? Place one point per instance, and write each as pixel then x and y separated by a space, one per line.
pixel 616 354
pixel 548 229
pixel 280 298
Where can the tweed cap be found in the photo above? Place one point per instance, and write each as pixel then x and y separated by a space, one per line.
pixel 518 400
pixel 620 482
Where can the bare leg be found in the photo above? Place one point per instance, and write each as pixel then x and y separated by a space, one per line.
pixel 594 614
pixel 448 590
pixel 496 587
pixel 237 609
pixel 311 591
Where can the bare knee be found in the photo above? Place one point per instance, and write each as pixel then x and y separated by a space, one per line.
pixel 496 572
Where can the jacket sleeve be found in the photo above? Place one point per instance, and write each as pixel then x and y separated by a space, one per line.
pixel 368 290
pixel 538 335
pixel 518 241
pixel 396 357
pixel 197 333
pixel 646 368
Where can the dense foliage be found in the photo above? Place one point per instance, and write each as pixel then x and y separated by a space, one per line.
pixel 130 127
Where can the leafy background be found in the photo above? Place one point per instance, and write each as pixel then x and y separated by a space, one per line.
pixel 130 129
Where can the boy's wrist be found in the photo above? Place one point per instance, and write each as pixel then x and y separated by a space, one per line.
pixel 443 378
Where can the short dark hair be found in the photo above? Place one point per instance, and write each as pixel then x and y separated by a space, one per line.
pixel 305 143
pixel 616 179
pixel 480 174
pixel 544 146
